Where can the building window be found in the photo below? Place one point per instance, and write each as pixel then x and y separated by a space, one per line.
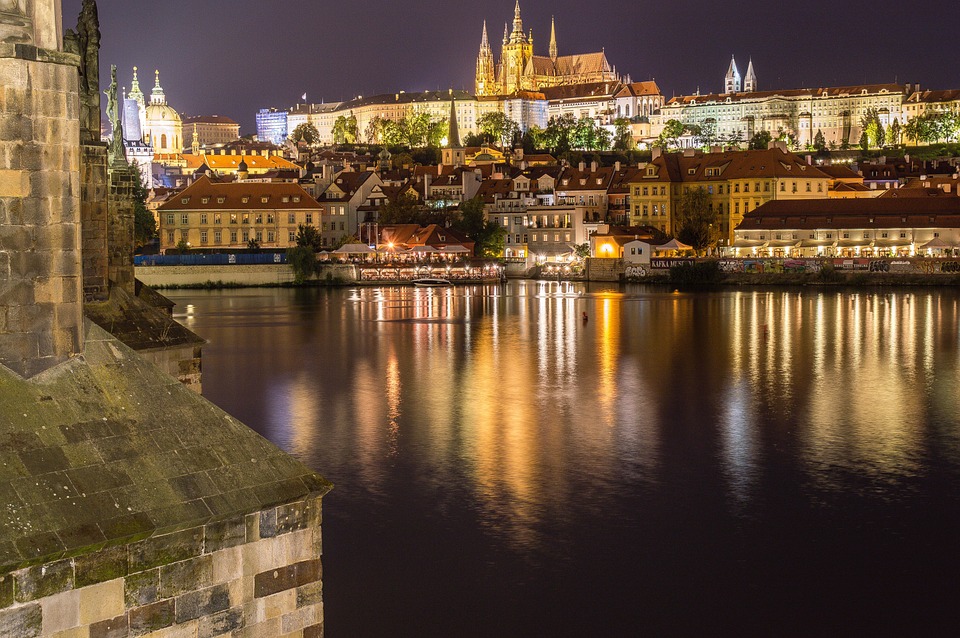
pixel 217 218
pixel 169 236
pixel 233 218
pixel 246 218
pixel 217 236
pixel 259 235
pixel 170 219
pixel 808 188
pixel 259 218
pixel 184 219
pixel 783 187
pixel 203 236
pixel 309 218
pixel 203 218
pixel 233 236
pixel 270 236
pixel 291 218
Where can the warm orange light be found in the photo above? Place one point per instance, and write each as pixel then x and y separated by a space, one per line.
pixel 606 248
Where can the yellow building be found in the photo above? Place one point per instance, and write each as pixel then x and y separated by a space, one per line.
pixel 212 215
pixel 736 182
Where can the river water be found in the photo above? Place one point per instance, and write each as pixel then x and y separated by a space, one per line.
pixel 677 463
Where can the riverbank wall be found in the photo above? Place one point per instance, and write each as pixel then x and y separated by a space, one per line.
pixel 236 275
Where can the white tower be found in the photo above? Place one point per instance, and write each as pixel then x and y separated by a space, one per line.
pixel 750 79
pixel 732 80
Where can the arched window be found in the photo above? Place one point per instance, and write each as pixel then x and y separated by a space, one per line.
pixel 163 141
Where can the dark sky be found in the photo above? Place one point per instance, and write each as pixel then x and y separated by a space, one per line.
pixel 232 57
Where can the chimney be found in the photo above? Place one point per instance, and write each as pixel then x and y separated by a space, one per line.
pixel 656 152
pixel 582 166
pixel 716 149
pixel 593 166
pixel 809 159
pixel 616 166
pixel 427 181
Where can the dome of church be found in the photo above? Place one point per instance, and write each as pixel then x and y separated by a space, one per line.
pixel 161 112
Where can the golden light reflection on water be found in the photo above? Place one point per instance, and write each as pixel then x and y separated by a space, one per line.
pixel 513 398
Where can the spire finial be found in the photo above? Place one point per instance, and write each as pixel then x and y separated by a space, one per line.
pixel 553 39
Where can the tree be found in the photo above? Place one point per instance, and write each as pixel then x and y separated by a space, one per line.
pixel 303 262
pixel 557 135
pixel 623 135
pixel 760 141
pixel 144 224
pixel 872 128
pixel 500 128
pixel 182 246
pixel 309 237
pixel 374 131
pixel 670 134
pixel 343 241
pixel 582 251
pixel 707 133
pixel 487 236
pixel 893 133
pixel 306 133
pixel 345 130
pixel 695 220
pixel 402 159
pixel 253 244
pixel 819 142
pixel 864 140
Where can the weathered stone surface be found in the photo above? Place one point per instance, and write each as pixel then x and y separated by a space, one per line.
pixel 185 576
pixel 142 588
pixel 282 578
pixel 201 603
pixel 61 612
pixel 114 628
pixel 101 602
pixel 6 590
pixel 166 549
pixel 221 623
pixel 310 594
pixel 153 617
pixel 99 567
pixel 22 622
pixel 37 582
pixel 221 535
pixel 316 631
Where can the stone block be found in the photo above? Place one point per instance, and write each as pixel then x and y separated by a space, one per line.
pixel 22 622
pixel 100 567
pixel 268 523
pixel 166 549
pixel 41 581
pixel 221 623
pixel 221 535
pixel 227 565
pixel 185 576
pixel 101 602
pixel 267 629
pixel 76 632
pixel 280 604
pixel 303 617
pixel 311 594
pixel 61 612
pixel 149 618
pixel 118 627
pixel 289 577
pixel 142 588
pixel 6 590
pixel 201 603
pixel 315 631
pixel 291 517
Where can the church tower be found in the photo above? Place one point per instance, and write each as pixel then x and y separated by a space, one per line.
pixel 517 51
pixel 486 73
pixel 553 40
pixel 732 80
pixel 750 79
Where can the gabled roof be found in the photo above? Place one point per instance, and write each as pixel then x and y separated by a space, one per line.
pixel 493 189
pixel 348 183
pixel 205 194
pixel 693 167
pixel 222 163
pixel 869 89
pixel 210 119
pixel 577 180
pixel 591 90
pixel 879 212
pixel 638 89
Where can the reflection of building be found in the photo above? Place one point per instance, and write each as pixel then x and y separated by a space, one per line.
pixel 272 126
pixel 520 69
pixel 211 215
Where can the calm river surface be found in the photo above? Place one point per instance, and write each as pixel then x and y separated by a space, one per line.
pixel 707 463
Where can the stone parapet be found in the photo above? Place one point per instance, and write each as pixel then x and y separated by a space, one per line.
pixel 94 187
pixel 40 256
pixel 254 575
pixel 120 227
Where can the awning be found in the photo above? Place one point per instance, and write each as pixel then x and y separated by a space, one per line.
pixel 424 249
pixel 748 243
pixel 673 244
pixel 854 243
pixel 454 249
pixel 784 243
pixel 355 249
pixel 937 244
pixel 817 243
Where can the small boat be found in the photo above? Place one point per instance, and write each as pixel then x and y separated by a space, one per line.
pixel 431 282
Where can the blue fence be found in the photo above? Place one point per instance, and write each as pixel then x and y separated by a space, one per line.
pixel 222 259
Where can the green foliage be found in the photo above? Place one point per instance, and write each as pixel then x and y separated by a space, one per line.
pixel 671 132
pixel 556 137
pixel 582 251
pixel 182 246
pixel 345 130
pixel 623 135
pixel 695 220
pixel 253 244
pixel 760 140
pixel 933 127
pixel 308 237
pixel 343 241
pixel 306 133
pixel 500 128
pixel 819 142
pixel 864 140
pixel 144 224
pixel 872 129
pixel 303 262
pixel 402 159
pixel 489 238
pixel 894 133
pixel 706 134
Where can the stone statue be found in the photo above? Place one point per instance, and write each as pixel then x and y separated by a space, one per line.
pixel 87 43
pixel 117 153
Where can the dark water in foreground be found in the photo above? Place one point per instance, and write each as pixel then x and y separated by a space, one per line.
pixel 749 463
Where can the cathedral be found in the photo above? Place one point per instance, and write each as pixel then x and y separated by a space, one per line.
pixel 520 70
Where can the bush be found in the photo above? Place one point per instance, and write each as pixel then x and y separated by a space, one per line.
pixel 303 262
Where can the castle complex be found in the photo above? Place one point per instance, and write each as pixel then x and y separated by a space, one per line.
pixel 520 70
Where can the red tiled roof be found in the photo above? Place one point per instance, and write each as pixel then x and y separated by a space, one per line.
pixel 204 194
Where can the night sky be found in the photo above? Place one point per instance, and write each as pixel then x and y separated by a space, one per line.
pixel 232 57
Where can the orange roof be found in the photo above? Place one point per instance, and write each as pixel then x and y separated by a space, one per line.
pixel 223 163
pixel 204 194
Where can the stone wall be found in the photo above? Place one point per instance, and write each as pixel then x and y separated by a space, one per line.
pixel 182 363
pixel 255 576
pixel 605 269
pixel 120 243
pixel 94 216
pixel 40 264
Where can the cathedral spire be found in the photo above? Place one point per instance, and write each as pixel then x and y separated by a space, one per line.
pixel 517 36
pixel 135 92
pixel 731 82
pixel 484 42
pixel 750 79
pixel 553 39
pixel 506 36
pixel 453 134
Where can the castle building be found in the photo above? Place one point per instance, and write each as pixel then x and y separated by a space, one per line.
pixel 520 70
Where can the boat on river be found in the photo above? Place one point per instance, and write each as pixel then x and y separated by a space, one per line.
pixel 431 282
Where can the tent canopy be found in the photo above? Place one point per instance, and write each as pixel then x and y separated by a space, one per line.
pixel 454 249
pixel 354 249
pixel 673 244
pixel 936 243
